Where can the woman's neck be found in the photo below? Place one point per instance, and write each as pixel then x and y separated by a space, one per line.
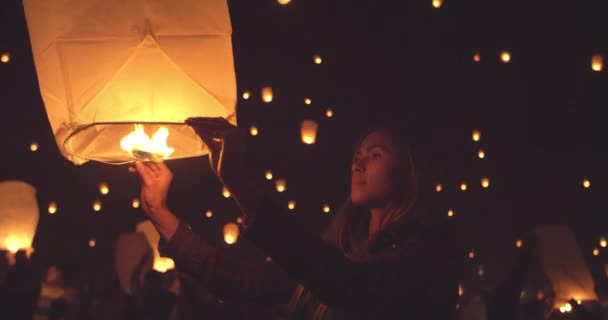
pixel 375 221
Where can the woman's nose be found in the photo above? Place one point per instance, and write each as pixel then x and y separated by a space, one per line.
pixel 358 165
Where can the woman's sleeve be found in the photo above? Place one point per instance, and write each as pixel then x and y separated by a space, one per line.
pixel 220 271
pixel 420 274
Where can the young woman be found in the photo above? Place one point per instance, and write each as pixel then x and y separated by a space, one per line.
pixel 381 257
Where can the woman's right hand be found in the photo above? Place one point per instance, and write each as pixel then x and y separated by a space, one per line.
pixel 156 180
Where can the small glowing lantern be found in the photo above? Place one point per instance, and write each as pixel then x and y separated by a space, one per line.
pixel 519 243
pixel 481 271
pixel 209 214
pixel 103 188
pixel 225 192
pixel 329 113
pixel 92 242
pixel 160 264
pixel 476 57
pixel 597 62
pixel 317 59
pixel 96 205
pixel 307 101
pixel 308 131
pixel 135 203
pixel 481 154
pixel 239 220
pixel 485 182
pixel 34 146
pixel 19 215
pixel 246 95
pixel 476 135
pixel 281 185
pixel 231 232
pixel 268 175
pixel 438 187
pixel 471 254
pixel 586 183
pixel 463 186
pixel 102 70
pixel 267 94
pixel 505 57
pixel 5 57
pixel 291 205
pixel 253 130
pixel 460 290
pixel 326 208
pixel 603 242
pixel 437 4
pixel 596 252
pixel 52 207
pixel 283 2
pixel 450 212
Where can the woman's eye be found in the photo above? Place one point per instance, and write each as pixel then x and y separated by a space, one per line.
pixel 375 156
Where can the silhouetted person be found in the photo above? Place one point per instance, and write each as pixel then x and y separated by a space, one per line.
pixel 22 286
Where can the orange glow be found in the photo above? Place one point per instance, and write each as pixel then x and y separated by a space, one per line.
pixel 596 252
pixel 96 205
pixel 34 146
pixel 246 95
pixel 163 264
pixel 505 57
pixel 485 182
pixel 317 59
pixel 307 101
pixel 231 232
pixel 267 94
pixel 481 154
pixel 450 213
pixel 253 130
pixel 140 146
pixel 476 135
pixel 437 4
pixel 586 183
pixel 5 57
pixel 481 271
pixel 603 242
pixel 597 62
pixel 209 214
pixel 476 57
pixel 52 207
pixel 438 187
pixel 308 131
pixel 281 185
pixel 519 243
pixel 471 254
pixel 329 113
pixel 268 175
pixel 103 188
pixel 92 243
pixel 291 205
pixel 326 208
pixel 135 203
pixel 225 192
pixel 463 186
pixel 283 2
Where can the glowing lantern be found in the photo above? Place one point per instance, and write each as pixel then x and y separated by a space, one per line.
pixel 437 4
pixel 586 183
pixel 161 264
pixel 596 252
pixel 18 215
pixel 308 131
pixel 246 95
pixel 450 212
pixel 253 130
pixel 505 57
pixel 307 101
pixel 326 208
pixel 5 57
pixel 231 232
pixel 103 188
pixel 209 214
pixel 268 175
pixel 481 271
pixel 463 186
pixel 92 242
pixel 291 205
pixel 225 192
pixel 317 59
pixel 135 203
pixel 281 185
pixel 438 187
pixel 603 242
pixel 104 67
pixel 597 62
pixel 34 146
pixel 476 135
pixel 329 113
pixel 52 207
pixel 481 154
pixel 239 220
pixel 519 243
pixel 283 2
pixel 476 57
pixel 485 182
pixel 267 94
pixel 460 290
pixel 96 205
pixel 471 254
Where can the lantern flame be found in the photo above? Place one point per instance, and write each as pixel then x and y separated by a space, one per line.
pixel 163 264
pixel 140 146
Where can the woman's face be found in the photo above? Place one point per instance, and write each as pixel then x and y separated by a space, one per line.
pixel 372 171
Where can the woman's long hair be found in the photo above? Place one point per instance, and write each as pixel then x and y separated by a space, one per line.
pixel 348 229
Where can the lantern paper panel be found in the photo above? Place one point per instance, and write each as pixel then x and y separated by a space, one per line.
pixel 105 65
pixel 563 262
pixel 19 215
pixel 133 257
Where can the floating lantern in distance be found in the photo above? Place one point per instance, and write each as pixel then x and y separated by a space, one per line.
pixel 34 146
pixel 519 243
pixel 476 135
pixel 19 215
pixel 481 154
pixel 52 207
pixel 317 59
pixel 103 188
pixel 268 175
pixel 437 4
pixel 281 185
pixel 291 204
pixel 307 101
pixel 450 212
pixel 308 131
pixel 596 252
pixel 246 95
pixel 209 214
pixel 597 62
pixel 92 242
pixel 267 94
pixel 329 113
pixel 463 186
pixel 460 290
pixel 5 57
pixel 481 271
pixel 505 57
pixel 438 187
pixel 476 57
pixel 253 130
pixel 283 2
pixel 225 192
pixel 586 183
pixel 485 182
pixel 603 242
pixel 152 74
pixel 326 208
pixel 96 205
pixel 471 254
pixel 135 203
pixel 231 232
pixel 239 220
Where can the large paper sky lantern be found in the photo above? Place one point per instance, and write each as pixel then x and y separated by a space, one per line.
pixel 118 75
pixel 19 215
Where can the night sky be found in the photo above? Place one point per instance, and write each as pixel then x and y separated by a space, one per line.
pixel 540 117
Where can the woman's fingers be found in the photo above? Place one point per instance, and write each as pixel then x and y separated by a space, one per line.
pixel 144 171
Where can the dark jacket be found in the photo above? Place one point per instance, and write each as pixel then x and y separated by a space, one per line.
pixel 412 270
